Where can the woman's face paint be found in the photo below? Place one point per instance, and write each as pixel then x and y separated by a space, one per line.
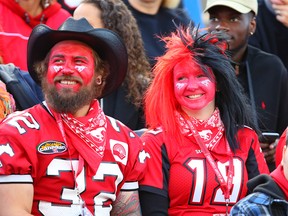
pixel 71 65
pixel 193 89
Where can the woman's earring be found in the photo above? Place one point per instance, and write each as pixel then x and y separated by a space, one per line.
pixel 251 33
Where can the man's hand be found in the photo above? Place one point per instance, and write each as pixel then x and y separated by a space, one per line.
pixel 269 151
pixel 281 11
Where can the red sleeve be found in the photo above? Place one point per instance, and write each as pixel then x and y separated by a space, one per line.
pixel 279 148
pixel 137 160
pixel 15 157
pixel 259 156
pixel 157 164
pixel 255 163
pixel 131 156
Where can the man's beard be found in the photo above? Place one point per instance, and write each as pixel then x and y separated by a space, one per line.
pixel 68 101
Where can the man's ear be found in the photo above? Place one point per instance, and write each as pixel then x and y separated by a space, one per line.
pixel 252 26
pixel 99 79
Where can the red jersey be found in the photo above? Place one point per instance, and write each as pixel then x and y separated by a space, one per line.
pixel 33 150
pixel 16 26
pixel 183 174
pixel 279 147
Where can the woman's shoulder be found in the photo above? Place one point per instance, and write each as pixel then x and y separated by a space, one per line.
pixel 155 132
pixel 246 131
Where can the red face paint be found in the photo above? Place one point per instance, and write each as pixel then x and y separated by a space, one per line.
pixel 71 65
pixel 193 90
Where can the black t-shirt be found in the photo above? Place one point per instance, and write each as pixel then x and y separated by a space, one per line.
pixel 153 26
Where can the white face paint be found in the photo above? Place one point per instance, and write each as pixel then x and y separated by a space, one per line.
pixel 206 82
pixel 180 85
pixel 57 68
pixel 80 68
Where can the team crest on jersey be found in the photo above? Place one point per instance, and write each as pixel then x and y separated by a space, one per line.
pixel 119 151
pixel 52 147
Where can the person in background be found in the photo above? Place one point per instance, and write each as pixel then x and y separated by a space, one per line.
pixel 69 5
pixel 263 75
pixel 280 146
pixel 65 156
pixel 279 9
pixel 200 146
pixel 154 19
pixel 272 28
pixel 270 192
pixel 125 103
pixel 7 103
pixel 19 84
pixel 18 18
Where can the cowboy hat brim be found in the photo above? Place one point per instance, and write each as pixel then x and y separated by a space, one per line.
pixel 106 43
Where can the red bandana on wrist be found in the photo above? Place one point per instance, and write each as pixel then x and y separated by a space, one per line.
pixel 210 131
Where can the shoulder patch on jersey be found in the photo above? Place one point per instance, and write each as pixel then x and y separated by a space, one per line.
pixel 51 147
pixel 6 148
pixel 143 155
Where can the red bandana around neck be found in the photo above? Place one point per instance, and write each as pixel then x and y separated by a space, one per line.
pixel 90 131
pixel 91 128
pixel 213 129
pixel 210 131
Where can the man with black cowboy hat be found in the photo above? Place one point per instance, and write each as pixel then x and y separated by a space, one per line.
pixel 64 156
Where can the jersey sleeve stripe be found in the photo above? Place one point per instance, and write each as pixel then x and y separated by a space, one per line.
pixel 16 179
pixel 130 186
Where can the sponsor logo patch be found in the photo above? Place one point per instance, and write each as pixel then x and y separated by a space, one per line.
pixel 51 147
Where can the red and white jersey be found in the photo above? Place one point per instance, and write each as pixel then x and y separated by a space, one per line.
pixel 33 150
pixel 182 173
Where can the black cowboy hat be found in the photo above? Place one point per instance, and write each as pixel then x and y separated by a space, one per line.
pixel 108 45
